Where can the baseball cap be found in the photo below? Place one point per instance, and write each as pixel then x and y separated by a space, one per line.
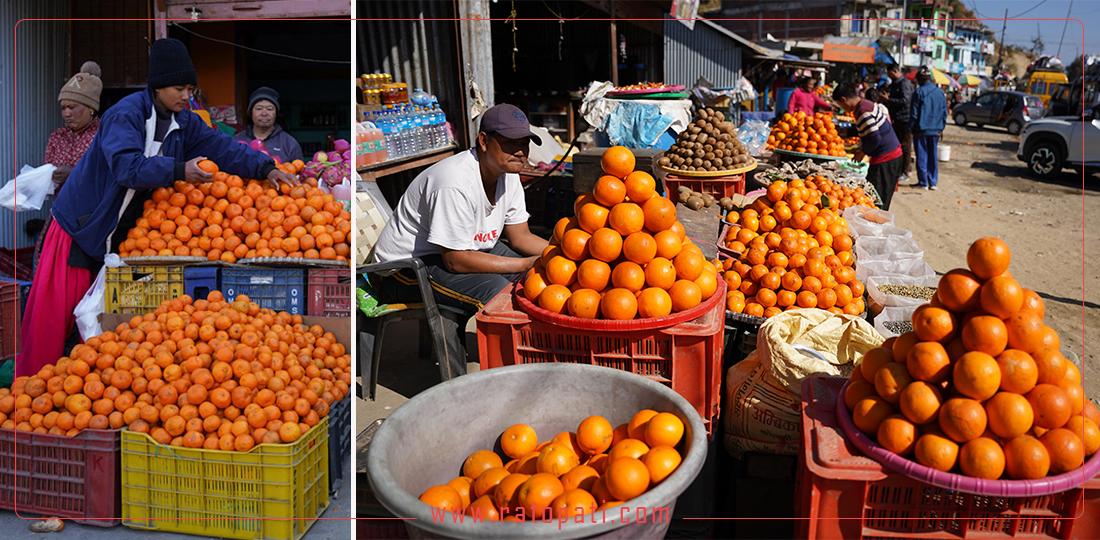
pixel 509 121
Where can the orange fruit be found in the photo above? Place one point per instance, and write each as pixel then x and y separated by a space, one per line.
pixel 584 303
pixel 897 434
pixel 962 419
pixel 591 217
pixel 538 492
pixel 1087 431
pixel 573 502
pixel 1002 296
pixel 627 478
pixel 561 271
pixel 1051 406
pixel 1009 415
pixel 1025 331
pixel 640 248
pixel 689 265
pixel 1026 458
pixel 1066 450
pixel 626 218
pixel 575 245
pixel 926 360
pixel 664 429
pixel 554 298
pixel 661 462
pixel 936 451
pixel 618 161
pixel 982 458
pixel 594 435
pixel 1076 395
pixel 1033 303
pixel 640 186
pixel 985 333
pixel 479 462
pixel 619 304
pixel 1051 365
pixel 958 290
pixel 668 242
pixel 890 380
pixel 685 294
pixel 605 244
pixel 977 375
pixel 609 190
pixel 933 324
pixel 869 413
pixel 638 424
pixel 444 497
pixel 506 494
pixel 654 302
pixel 1019 374
pixel 483 508
pixel 518 441
pixel 857 391
pixel 988 257
pixel 920 402
pixel 660 215
pixel 873 360
pixel 536 283
pixel 556 459
pixel 487 481
pixel 593 274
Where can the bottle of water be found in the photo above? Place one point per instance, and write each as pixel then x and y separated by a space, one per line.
pixel 391 134
pixel 430 134
pixel 424 121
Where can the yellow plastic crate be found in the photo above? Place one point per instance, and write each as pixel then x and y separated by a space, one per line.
pixel 141 289
pixel 272 492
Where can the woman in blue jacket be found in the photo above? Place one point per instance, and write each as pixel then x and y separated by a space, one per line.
pixel 146 141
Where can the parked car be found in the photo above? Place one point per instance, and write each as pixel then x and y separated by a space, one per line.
pixel 1000 108
pixel 1051 144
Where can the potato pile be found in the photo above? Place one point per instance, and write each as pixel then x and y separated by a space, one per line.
pixel 709 144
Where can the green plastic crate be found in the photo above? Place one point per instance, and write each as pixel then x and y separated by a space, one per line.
pixel 272 492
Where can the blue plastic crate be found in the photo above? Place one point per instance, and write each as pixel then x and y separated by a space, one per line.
pixel 279 289
pixel 339 440
pixel 199 281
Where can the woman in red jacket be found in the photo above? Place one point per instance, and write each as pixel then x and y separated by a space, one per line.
pixel 804 99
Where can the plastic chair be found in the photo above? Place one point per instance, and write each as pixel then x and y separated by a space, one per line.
pixel 450 353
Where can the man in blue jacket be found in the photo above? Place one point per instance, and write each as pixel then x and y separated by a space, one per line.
pixel 927 118
pixel 146 141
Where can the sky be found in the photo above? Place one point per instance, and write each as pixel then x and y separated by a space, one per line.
pixel 1020 32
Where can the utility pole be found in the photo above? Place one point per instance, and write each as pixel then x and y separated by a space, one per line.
pixel 1001 58
pixel 1064 28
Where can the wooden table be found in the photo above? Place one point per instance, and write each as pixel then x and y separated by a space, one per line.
pixel 372 173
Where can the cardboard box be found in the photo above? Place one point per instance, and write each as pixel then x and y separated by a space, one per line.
pixel 587 169
pixel 339 326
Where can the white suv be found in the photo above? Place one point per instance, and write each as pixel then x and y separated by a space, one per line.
pixel 1050 144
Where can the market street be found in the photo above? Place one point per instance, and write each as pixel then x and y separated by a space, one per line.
pixel 985 191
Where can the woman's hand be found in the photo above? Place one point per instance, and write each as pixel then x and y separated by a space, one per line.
pixel 276 176
pixel 60 174
pixel 194 174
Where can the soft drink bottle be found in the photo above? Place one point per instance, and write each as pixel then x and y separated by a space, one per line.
pixel 363 152
pixel 381 153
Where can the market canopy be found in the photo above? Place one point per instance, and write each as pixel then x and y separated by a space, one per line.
pixel 938 77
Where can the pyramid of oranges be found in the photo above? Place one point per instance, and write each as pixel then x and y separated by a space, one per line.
pixel 231 218
pixel 623 255
pixel 199 374
pixel 979 386
pixel 800 132
pixel 573 474
pixel 794 253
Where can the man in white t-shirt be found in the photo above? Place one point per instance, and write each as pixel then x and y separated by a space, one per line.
pixel 454 214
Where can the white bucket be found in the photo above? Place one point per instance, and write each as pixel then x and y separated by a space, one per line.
pixel 943 153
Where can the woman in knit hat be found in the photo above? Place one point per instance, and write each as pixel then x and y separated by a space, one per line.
pixel 263 107
pixel 145 141
pixel 79 101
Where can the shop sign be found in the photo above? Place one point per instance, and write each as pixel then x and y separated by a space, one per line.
pixel 686 11
pixel 925 40
pixel 851 54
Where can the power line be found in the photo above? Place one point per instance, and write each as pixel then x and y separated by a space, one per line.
pixel 230 43
pixel 1030 10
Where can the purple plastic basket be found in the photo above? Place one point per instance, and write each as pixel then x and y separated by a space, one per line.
pixel 958 482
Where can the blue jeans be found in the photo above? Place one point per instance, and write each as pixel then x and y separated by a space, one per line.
pixel 927 165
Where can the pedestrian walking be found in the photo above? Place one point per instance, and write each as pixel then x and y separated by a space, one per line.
pixel 899 96
pixel 927 118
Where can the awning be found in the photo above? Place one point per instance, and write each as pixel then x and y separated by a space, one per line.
pixel 796 61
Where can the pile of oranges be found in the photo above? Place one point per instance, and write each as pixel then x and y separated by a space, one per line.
pixel 800 132
pixel 575 473
pixel 200 374
pixel 794 254
pixel 623 255
pixel 979 382
pixel 231 218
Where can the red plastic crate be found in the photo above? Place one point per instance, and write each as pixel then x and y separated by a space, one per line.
pixel 686 357
pixel 843 494
pixel 725 186
pixel 9 319
pixel 328 292
pixel 69 477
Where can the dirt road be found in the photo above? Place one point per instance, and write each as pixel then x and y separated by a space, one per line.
pixel 1051 227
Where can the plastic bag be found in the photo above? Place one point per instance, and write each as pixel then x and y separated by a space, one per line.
pixel 871 248
pixel 893 314
pixel 881 299
pixel 905 267
pixel 634 125
pixel 871 215
pixel 94 302
pixel 29 189
pixel 754 135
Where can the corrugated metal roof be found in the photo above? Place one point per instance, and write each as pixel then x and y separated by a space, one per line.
pixel 708 51
pixel 40 70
